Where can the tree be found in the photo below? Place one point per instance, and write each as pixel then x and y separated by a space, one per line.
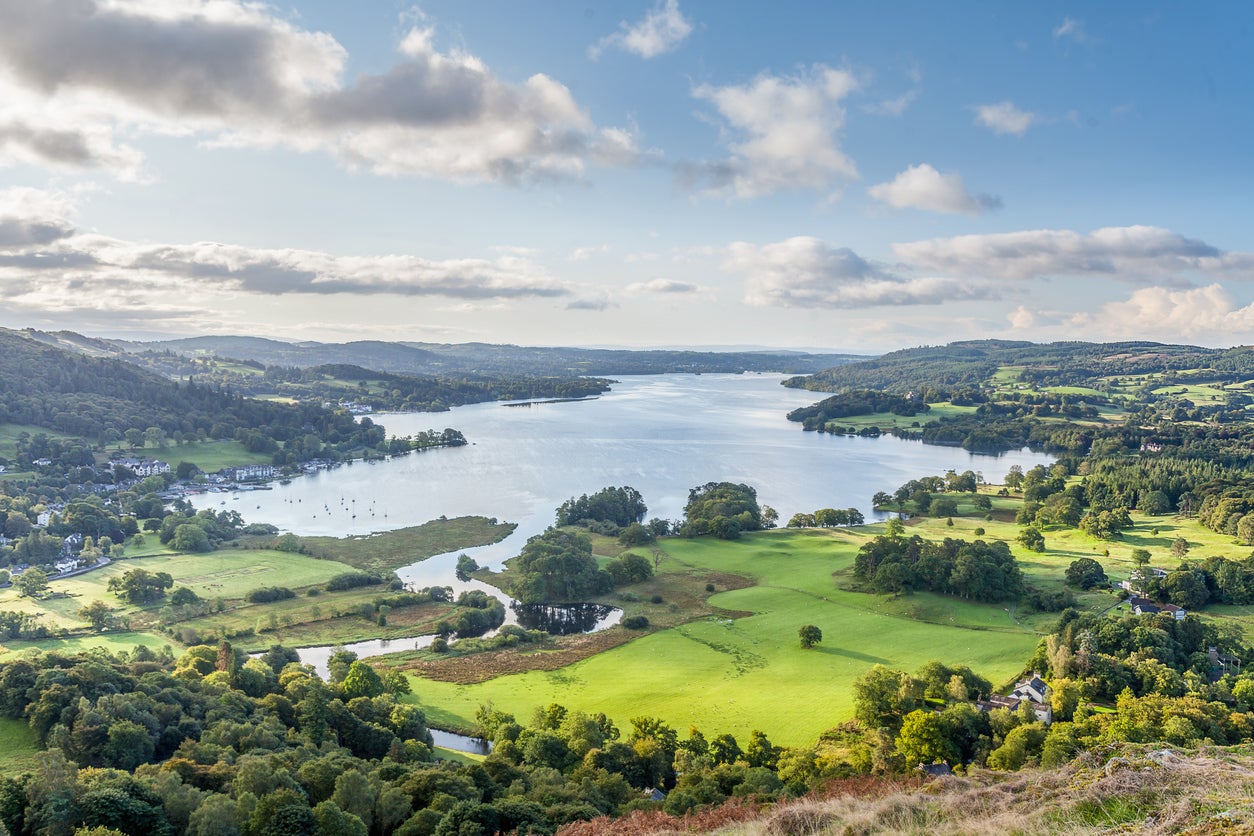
pixel 1085 573
pixel 810 636
pixel 362 681
pixel 32 583
pixel 97 614
pixel 1032 539
pixel 722 509
pixel 189 537
pixel 139 586
pixel 924 739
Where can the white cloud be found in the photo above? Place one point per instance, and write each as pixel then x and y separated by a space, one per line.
pixel 662 29
pixel 1021 318
pixel 923 187
pixel 75 74
pixel 592 303
pixel 1073 29
pixel 805 272
pixel 892 107
pixel 665 286
pixel 1005 118
pixel 786 130
pixel 585 253
pixel 1132 253
pixel 41 253
pixel 1209 314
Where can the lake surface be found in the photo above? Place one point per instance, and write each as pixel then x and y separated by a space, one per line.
pixel 661 434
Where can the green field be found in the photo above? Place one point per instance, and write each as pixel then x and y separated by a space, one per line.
pixel 209 456
pixel 887 420
pixel 9 434
pixel 751 673
pixel 19 745
pixel 390 550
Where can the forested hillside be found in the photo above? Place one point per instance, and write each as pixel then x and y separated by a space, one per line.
pixel 101 399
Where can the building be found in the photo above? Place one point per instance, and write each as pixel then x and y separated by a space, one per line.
pixel 143 467
pixel 1032 691
pixel 1144 606
pixel 250 471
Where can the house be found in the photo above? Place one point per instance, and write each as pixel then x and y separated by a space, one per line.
pixel 41 462
pixel 43 519
pixel 1032 691
pixel 1144 606
pixel 72 544
pixel 65 565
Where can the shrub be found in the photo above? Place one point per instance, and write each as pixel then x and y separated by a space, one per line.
pixel 656 599
pixel 635 622
pixel 267 594
pixel 709 587
pixel 353 580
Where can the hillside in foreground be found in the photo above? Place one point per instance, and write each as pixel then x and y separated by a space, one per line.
pixel 1127 789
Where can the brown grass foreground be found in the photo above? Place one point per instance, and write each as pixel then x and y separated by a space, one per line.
pixel 1126 789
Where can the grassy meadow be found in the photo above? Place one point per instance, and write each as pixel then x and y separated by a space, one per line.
pixel 731 660
pixel 738 674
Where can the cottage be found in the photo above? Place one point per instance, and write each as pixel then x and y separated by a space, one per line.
pixel 1144 606
pixel 1033 691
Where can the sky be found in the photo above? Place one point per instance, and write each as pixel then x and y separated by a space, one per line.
pixel 852 176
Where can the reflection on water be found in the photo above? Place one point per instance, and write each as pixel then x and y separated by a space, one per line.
pixel 566 619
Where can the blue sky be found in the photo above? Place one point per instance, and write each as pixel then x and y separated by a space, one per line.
pixel 854 176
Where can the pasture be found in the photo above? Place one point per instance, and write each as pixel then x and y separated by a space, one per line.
pixel 736 675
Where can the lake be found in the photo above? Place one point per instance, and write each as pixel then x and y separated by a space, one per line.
pixel 661 434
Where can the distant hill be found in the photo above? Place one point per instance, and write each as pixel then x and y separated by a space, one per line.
pixel 972 363
pixel 490 359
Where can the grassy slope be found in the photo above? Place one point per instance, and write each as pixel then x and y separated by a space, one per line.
pixel 19 745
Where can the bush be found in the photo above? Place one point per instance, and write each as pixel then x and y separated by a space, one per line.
pixel 268 594
pixel 635 622
pixel 439 645
pixel 353 580
pixel 979 532
pixel 709 587
pixel 656 599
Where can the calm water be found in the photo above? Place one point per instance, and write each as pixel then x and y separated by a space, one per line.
pixel 660 434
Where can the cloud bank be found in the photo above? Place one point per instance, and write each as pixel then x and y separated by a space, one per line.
pixel 75 75
pixel 1130 253
pixel 807 272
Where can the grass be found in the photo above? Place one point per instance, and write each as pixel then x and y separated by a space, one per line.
pixel 209 456
pixel 722 673
pixel 392 549
pixel 111 642
pixel 9 435
pixel 751 673
pixel 887 420
pixel 19 745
